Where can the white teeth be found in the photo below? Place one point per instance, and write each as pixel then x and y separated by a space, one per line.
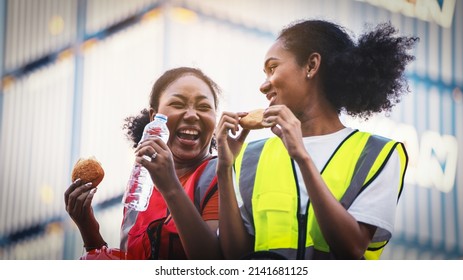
pixel 189 132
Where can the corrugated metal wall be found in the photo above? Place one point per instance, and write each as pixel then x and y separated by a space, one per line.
pixel 36 29
pixel 73 70
pixel 35 135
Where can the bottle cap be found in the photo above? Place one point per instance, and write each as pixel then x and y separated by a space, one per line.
pixel 161 116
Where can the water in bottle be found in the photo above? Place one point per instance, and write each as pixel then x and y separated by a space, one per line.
pixel 140 185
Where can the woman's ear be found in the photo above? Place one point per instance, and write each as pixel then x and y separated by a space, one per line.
pixel 313 64
pixel 152 113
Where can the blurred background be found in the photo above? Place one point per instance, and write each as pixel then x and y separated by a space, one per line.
pixel 72 70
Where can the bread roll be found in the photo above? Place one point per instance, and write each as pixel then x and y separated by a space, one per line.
pixel 253 120
pixel 88 170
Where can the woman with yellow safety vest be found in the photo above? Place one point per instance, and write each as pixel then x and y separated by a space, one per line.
pixel 318 189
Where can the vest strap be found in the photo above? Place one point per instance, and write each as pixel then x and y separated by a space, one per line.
pixel 372 149
pixel 250 160
pixel 207 185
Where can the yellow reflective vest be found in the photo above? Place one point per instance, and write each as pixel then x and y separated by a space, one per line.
pixel 270 191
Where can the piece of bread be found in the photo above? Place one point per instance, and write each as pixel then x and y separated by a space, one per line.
pixel 253 120
pixel 88 170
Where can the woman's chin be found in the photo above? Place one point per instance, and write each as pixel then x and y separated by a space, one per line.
pixel 185 155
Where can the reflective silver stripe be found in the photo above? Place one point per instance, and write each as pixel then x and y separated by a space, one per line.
pixel 204 182
pixel 130 217
pixel 291 254
pixel 370 152
pixel 249 163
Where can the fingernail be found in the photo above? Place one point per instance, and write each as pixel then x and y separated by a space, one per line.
pixel 93 190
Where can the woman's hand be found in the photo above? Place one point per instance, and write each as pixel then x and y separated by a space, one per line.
pixel 233 236
pixel 228 147
pixel 287 127
pixel 78 200
pixel 157 158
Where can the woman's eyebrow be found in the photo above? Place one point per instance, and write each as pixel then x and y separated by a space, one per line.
pixel 181 96
pixel 267 62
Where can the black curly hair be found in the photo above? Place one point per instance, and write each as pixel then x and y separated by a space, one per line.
pixel 358 78
pixel 134 125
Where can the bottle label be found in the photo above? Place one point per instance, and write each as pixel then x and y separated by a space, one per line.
pixel 154 131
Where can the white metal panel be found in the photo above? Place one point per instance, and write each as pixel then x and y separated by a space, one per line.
pixel 8 138
pixel 36 154
pixel 36 29
pixel 42 247
pixel 449 200
pixel 12 34
pixel 422 194
pixel 104 13
pixel 458 120
pixel 435 209
pixel 457 52
pixel 445 54
pixel 422 49
pixel 433 51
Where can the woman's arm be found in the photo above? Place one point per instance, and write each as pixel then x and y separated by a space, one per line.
pixel 199 237
pixel 347 238
pixel 234 239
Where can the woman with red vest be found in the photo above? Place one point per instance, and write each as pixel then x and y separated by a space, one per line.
pixel 317 189
pixel 181 221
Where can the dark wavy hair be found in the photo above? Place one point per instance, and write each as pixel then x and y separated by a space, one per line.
pixel 359 78
pixel 134 125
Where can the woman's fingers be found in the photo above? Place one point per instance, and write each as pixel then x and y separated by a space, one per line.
pixel 88 200
pixel 71 188
pixel 77 198
pixel 155 142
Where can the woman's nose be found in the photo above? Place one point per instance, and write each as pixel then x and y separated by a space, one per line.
pixel 265 87
pixel 191 114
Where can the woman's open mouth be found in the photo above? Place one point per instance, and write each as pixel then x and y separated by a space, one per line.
pixel 188 136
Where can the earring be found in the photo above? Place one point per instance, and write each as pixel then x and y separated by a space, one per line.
pixel 308 75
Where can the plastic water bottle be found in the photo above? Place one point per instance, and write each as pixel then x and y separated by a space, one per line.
pixel 140 186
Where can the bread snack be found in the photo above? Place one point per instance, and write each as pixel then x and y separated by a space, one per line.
pixel 88 170
pixel 253 120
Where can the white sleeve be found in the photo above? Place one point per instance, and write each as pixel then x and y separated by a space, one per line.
pixel 376 205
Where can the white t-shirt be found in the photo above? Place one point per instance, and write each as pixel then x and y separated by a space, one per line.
pixel 376 205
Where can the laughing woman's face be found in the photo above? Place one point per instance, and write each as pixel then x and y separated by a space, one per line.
pixel 189 105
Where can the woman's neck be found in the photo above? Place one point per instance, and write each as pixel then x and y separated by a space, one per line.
pixel 320 125
pixel 183 167
pixel 320 119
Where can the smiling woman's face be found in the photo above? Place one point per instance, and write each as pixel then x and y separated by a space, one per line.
pixel 189 104
pixel 285 81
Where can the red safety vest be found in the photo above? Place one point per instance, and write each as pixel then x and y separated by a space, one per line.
pixel 152 234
